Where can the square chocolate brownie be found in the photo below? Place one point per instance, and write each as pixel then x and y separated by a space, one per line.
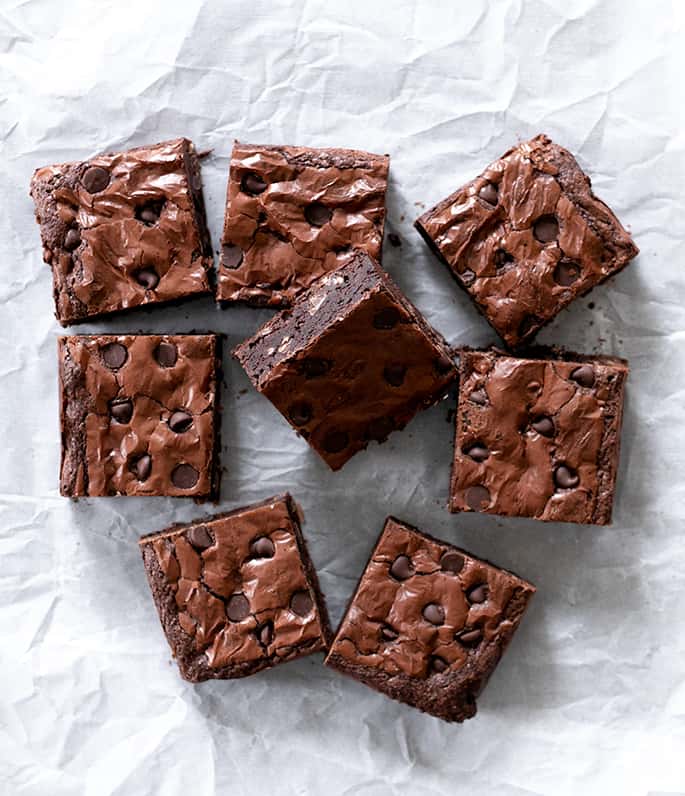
pixel 428 622
pixel 292 214
pixel 139 415
pixel 124 229
pixel 237 593
pixel 538 437
pixel 526 237
pixel 351 361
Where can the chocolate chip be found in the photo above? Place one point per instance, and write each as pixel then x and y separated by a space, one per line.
pixel 477 498
pixel 469 637
pixel 488 193
pixel 478 452
pixel 437 664
pixel 114 355
pixel 566 272
pixel 379 428
pixel 336 441
pixel 301 603
pixel 252 183
pixel 394 374
pixel 180 421
pixel 184 476
pixel 166 355
pixel 584 375
pixel 300 413
pixel 141 467
pixel 566 477
pixel 478 594
pixel 401 568
pixel 434 613
pixel 546 229
pixel 312 367
pixel 262 547
pixel 389 633
pixel 237 608
pixel 452 562
pixel 394 239
pixel 232 256
pixel 72 239
pixel 265 633
pixel 121 409
pixel 467 277
pixel 150 212
pixel 479 397
pixel 95 179
pixel 543 425
pixel 443 365
pixel 200 537
pixel 147 277
pixel 317 214
pixel 387 318
pixel 502 258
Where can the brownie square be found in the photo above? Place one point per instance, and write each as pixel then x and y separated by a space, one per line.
pixel 237 593
pixel 428 622
pixel 139 415
pixel 292 215
pixel 351 361
pixel 526 237
pixel 124 229
pixel 538 437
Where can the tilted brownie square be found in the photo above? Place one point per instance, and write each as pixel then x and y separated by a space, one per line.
pixel 526 237
pixel 292 215
pixel 237 593
pixel 538 437
pixel 428 622
pixel 124 229
pixel 139 415
pixel 351 361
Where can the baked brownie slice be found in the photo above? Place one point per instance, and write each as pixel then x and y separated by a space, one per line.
pixel 292 214
pixel 428 622
pixel 237 593
pixel 124 229
pixel 139 415
pixel 526 237
pixel 538 437
pixel 352 361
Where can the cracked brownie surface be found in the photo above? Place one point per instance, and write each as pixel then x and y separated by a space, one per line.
pixel 139 415
pixel 428 622
pixel 237 592
pixel 538 437
pixel 293 214
pixel 526 237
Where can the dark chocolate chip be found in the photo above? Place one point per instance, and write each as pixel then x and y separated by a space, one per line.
pixel 401 568
pixel 141 467
pixel 379 428
pixel 336 441
pixel 301 603
pixel 394 239
pixel 180 421
pixel 312 367
pixel 252 183
pixel 566 477
pixel 478 594
pixel 479 397
pixel 150 212
pixel 467 277
pixel 546 229
pixel 72 239
pixel 200 537
pixel 584 375
pixel 566 272
pixel 394 374
pixel 477 498
pixel 470 637
pixel 147 277
pixel 265 633
pixel 121 409
pixel 389 633
pixel 237 608
pixel 437 664
pixel 184 476
pixel 543 425
pixel 434 613
pixel 300 413
pixel 262 547
pixel 317 214
pixel 114 355
pixel 443 365
pixel 488 193
pixel 502 258
pixel 232 256
pixel 166 355
pixel 478 452
pixel 452 561
pixel 95 179
pixel 387 318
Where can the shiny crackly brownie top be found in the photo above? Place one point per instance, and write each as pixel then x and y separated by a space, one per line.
pixel 526 237
pixel 292 214
pixel 538 437
pixel 423 607
pixel 123 229
pixel 138 414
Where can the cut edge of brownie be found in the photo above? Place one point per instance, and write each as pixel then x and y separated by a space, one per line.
pixel 320 157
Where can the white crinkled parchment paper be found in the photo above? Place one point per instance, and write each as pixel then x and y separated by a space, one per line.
pixel 590 698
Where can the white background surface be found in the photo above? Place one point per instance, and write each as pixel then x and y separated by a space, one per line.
pixel 590 698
